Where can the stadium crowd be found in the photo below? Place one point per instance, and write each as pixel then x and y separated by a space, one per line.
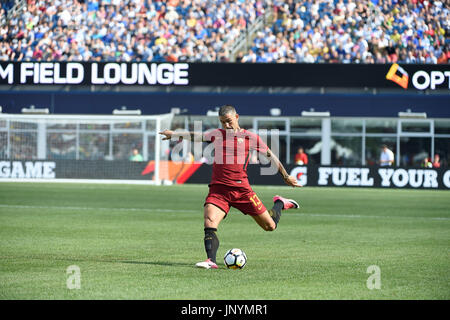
pixel 115 30
pixel 349 31
pixel 334 31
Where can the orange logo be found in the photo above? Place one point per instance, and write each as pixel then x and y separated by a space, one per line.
pixel 402 79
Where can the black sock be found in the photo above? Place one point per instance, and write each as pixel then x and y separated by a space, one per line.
pixel 211 243
pixel 275 212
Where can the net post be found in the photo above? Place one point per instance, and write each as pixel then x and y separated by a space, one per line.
pixel 157 151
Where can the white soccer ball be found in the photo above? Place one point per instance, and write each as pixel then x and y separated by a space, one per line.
pixel 235 259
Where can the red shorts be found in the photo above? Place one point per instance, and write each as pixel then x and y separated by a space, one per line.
pixel 243 199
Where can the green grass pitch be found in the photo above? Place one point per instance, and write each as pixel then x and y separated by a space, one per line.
pixel 141 242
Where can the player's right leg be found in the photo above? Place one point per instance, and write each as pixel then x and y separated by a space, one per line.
pixel 212 217
pixel 279 204
pixel 265 221
pixel 287 203
pixel 249 203
pixel 269 219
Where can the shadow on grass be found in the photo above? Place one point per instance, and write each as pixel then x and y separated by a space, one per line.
pixel 76 259
pixel 169 264
pixel 159 263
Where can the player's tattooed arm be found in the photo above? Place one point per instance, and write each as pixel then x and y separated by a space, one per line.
pixel 278 163
pixel 192 136
pixel 197 136
pixel 290 181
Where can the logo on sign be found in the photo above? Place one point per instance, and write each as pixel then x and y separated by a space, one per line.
pixel 421 80
pixel 398 75
pixel 301 174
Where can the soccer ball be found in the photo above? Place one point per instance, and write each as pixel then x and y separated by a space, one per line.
pixel 235 259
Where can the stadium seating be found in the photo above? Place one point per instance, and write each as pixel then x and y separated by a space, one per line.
pixel 113 30
pixel 348 31
pixel 333 31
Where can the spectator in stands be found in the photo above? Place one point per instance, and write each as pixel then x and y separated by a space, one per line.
pixel 301 157
pixel 426 163
pixel 136 156
pixel 386 156
pixel 436 161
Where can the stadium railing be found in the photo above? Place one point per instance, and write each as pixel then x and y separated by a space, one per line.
pixel 243 42
pixel 19 5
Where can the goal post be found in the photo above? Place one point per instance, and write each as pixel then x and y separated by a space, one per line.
pixel 83 147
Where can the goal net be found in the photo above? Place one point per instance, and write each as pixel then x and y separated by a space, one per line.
pixel 83 147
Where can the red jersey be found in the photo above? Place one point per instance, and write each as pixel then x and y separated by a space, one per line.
pixel 232 152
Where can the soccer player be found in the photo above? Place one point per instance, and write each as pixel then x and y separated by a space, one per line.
pixel 229 185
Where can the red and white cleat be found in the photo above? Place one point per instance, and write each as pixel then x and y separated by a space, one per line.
pixel 207 264
pixel 288 203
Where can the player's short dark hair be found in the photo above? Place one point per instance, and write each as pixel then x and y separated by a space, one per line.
pixel 226 109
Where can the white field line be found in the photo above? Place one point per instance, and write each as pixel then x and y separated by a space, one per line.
pixel 345 216
pixel 81 181
pixel 96 208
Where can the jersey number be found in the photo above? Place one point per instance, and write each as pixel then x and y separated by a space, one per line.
pixel 256 202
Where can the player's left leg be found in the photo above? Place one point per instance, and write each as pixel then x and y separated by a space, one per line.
pixel 213 215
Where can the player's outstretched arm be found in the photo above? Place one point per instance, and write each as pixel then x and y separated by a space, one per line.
pixel 290 180
pixel 167 134
pixel 192 136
